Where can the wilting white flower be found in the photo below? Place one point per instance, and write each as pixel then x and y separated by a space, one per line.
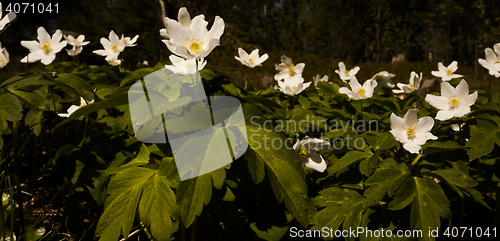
pixel 114 61
pixel 412 133
pixel 184 19
pixel 318 78
pixel 306 149
pixel 453 102
pixel 414 84
pixel 183 66
pixel 251 60
pixel 456 127
pixel 344 74
pixel 292 85
pixel 75 50
pixel 194 41
pixel 383 79
pixel 358 92
pixel 492 61
pixel 44 50
pixel 447 73
pixel 288 69
pixel 129 42
pixel 4 56
pixel 112 47
pixel 73 108
pixel 76 41
pixel 7 19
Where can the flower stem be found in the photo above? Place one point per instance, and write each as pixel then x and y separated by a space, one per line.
pixel 361 108
pixel 415 161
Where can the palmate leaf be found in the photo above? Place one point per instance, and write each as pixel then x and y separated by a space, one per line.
pixel 132 188
pixel 428 203
pixel 192 194
pixel 386 179
pixel 284 171
pixel 342 206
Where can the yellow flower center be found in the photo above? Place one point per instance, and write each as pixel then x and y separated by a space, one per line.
pixel 250 61
pixel 411 86
pixel 291 69
pixel 346 72
pixel 410 132
pixel 46 47
pixel 449 72
pixel 454 101
pixel 115 47
pixel 111 61
pixel 361 92
pixel 195 45
pixel 294 88
pixel 74 41
pixel 126 41
pixel 2 60
pixel 497 61
pixel 302 151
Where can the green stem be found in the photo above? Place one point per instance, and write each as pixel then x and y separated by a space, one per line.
pixel 489 84
pixel 415 161
pixel 361 107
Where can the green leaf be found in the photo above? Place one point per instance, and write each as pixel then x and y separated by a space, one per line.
pixel 428 203
pixel 342 206
pixel 33 99
pixel 18 82
pixel 348 159
pixel 191 195
pixel 327 89
pixel 11 108
pixel 386 179
pixel 80 85
pixel 116 99
pixel 157 206
pixel 482 143
pixel 136 75
pixel 34 121
pixel 283 168
pixel 125 189
pixel 436 146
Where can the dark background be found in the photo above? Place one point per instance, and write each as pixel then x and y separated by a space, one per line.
pixel 319 33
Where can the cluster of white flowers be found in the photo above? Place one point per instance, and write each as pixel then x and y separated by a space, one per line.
pixel 114 46
pixel 191 40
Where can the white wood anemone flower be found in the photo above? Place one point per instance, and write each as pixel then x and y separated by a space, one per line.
pixel 7 19
pixel 74 108
pixel 344 74
pixel 112 47
pixel 194 41
pixel 4 56
pixel 77 42
pixel 45 49
pixel 288 69
pixel 129 42
pixel 293 85
pixel 358 91
pixel 184 19
pixel 453 102
pixel 251 60
pixel 413 84
pixel 412 133
pixel 306 149
pixel 447 73
pixel 75 50
pixel 492 61
pixel 114 61
pixel 184 66
pixel 384 79
pixel 318 78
